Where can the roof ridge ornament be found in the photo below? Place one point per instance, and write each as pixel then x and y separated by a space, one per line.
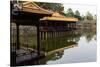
pixel 16 7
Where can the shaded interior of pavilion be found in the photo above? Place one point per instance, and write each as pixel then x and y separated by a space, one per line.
pixel 45 21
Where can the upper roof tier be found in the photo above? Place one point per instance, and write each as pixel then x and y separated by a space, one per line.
pixel 31 7
pixel 34 8
pixel 58 17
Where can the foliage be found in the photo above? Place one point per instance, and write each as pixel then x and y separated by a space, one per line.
pixel 56 7
pixel 89 16
pixel 77 15
pixel 95 17
pixel 70 13
pixel 82 17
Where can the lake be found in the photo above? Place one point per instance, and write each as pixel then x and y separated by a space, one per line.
pixel 76 46
pixel 63 47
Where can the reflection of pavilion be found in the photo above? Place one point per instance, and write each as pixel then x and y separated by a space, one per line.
pixel 55 54
pixel 56 44
pixel 60 49
pixel 59 44
pixel 32 15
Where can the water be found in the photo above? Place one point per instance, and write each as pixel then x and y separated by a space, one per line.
pixel 72 48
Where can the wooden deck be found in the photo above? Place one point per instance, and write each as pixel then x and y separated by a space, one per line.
pixel 22 57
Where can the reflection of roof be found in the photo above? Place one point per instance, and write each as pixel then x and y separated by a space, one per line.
pixel 57 17
pixel 61 49
pixel 34 8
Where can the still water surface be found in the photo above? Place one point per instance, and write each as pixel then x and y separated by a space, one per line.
pixel 83 48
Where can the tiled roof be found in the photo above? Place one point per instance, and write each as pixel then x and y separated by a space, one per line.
pixel 58 17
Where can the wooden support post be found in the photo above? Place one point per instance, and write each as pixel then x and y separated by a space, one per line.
pixel 57 34
pixel 71 26
pixel 49 34
pixel 18 44
pixel 52 34
pixel 60 34
pixel 63 33
pixel 75 26
pixel 46 34
pixel 68 27
pixel 38 38
pixel 40 34
pixel 43 35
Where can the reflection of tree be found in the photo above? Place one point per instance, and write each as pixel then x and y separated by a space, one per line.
pixel 58 55
pixel 54 56
pixel 74 37
pixel 89 34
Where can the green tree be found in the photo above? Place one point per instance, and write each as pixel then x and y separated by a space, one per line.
pixel 82 17
pixel 57 7
pixel 63 13
pixel 95 17
pixel 89 16
pixel 70 13
pixel 77 15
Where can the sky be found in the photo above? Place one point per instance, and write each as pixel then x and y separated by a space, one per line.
pixel 82 5
pixel 82 8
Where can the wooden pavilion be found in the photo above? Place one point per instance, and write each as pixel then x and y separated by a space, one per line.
pixel 56 25
pixel 28 14
pixel 58 20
